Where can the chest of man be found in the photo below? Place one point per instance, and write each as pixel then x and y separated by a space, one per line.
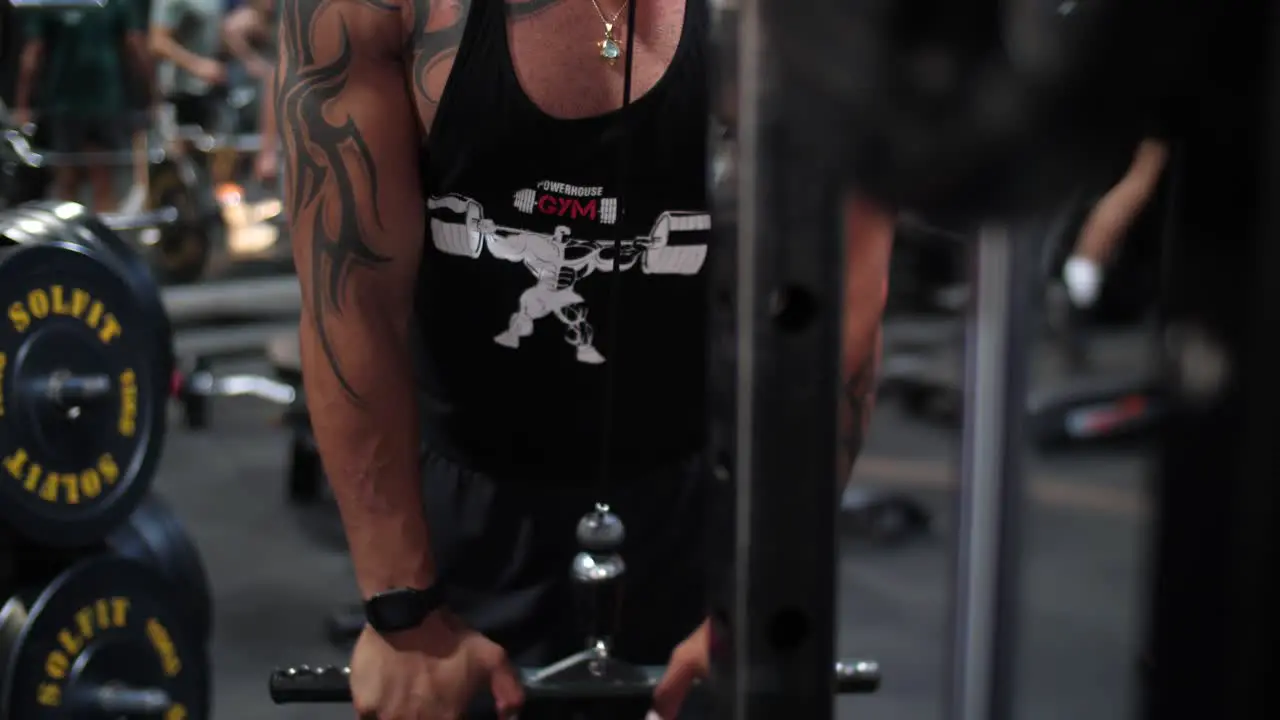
pixel 558 50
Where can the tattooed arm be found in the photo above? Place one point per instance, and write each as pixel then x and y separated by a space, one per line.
pixel 868 238
pixel 350 138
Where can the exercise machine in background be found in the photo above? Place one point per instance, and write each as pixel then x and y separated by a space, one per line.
pixel 1094 382
pixel 197 175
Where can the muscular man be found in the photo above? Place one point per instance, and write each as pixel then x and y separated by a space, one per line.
pixel 444 158
pixel 78 58
pixel 187 36
pixel 1110 220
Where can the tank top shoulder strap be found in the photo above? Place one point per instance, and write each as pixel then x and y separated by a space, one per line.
pixel 477 62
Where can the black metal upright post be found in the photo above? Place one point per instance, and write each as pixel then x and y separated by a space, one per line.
pixel 775 378
pixel 1214 647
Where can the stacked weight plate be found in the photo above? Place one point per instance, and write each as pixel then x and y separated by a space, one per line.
pixel 104 604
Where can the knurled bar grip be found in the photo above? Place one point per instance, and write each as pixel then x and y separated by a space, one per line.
pixel 330 684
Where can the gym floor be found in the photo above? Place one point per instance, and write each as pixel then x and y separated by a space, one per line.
pixel 274 584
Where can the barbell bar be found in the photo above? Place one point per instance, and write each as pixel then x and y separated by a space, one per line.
pixel 19 144
pixel 213 342
pixel 233 298
pixel 205 141
pixel 159 217
pixel 114 700
pixel 617 680
pixel 57 4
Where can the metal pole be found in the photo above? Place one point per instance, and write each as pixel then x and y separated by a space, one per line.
pixel 259 297
pixel 774 346
pixel 986 607
pixel 1213 649
pixel 57 4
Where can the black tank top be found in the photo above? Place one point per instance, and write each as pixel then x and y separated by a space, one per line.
pixel 520 324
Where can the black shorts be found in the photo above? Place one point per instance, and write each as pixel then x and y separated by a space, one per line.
pixel 72 132
pixel 193 110
pixel 504 551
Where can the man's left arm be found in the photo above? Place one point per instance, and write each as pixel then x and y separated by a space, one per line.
pixel 868 244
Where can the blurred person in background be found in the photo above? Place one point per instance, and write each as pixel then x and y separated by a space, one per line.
pixel 79 59
pixel 250 35
pixel 266 166
pixel 186 36
pixel 1110 221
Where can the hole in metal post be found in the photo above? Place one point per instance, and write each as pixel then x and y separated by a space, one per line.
pixel 792 308
pixel 720 467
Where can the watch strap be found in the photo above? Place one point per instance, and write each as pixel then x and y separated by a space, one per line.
pixel 402 608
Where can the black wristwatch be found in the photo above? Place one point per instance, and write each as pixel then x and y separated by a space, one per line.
pixel 401 608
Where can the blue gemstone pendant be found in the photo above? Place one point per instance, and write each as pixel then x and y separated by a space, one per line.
pixel 610 50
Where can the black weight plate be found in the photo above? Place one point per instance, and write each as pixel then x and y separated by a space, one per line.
pixel 74 223
pixel 71 473
pixel 184 247
pixel 105 620
pixel 84 227
pixel 154 535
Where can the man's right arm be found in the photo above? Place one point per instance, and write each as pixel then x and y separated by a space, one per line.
pixel 350 138
pixel 1112 215
pixel 165 15
pixel 239 29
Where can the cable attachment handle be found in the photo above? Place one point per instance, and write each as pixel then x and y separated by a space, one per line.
pixel 597 573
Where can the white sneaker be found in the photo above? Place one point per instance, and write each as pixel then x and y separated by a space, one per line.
pixel 135 202
pixel 1083 278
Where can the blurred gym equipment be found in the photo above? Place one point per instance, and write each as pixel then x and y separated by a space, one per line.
pixel 1089 385
pixel 87 364
pixel 103 637
pixel 180 217
pixel 109 611
pixel 154 536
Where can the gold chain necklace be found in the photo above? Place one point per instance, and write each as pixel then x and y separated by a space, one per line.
pixel 610 50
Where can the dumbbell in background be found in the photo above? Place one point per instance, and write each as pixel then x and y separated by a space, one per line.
pixel 106 607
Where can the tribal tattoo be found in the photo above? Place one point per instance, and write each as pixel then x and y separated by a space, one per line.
pixel 327 154
pixel 435 36
pixel 320 149
pixel 434 40
pixel 858 396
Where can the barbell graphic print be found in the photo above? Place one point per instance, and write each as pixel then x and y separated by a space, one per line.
pixel 459 227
